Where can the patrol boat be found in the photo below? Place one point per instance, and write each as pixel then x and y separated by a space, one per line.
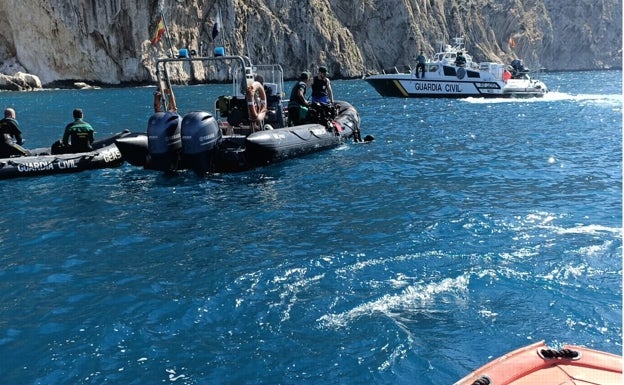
pixel 447 77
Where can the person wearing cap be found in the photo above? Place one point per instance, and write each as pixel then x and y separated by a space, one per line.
pixel 11 141
pixel 321 87
pixel 297 104
pixel 78 134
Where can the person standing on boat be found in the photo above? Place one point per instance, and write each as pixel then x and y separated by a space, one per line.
pixel 78 134
pixel 158 99
pixel 420 66
pixel 11 142
pixel 321 87
pixel 297 104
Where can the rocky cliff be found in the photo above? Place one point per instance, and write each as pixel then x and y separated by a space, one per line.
pixel 107 41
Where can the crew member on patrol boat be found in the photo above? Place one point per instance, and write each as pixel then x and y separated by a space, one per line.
pixel 78 134
pixel 321 87
pixel 420 66
pixel 460 60
pixel 11 140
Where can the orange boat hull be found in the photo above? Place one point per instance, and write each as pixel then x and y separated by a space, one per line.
pixel 537 364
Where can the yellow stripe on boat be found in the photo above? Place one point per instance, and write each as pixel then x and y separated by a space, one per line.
pixel 400 87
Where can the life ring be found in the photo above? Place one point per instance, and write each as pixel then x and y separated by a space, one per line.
pixel 256 112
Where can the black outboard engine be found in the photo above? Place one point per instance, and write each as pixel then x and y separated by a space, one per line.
pixel 518 69
pixel 200 138
pixel 163 141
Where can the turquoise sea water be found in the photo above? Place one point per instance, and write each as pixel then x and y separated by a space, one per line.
pixel 468 228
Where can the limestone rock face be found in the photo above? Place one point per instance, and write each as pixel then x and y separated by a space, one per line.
pixel 20 82
pixel 108 41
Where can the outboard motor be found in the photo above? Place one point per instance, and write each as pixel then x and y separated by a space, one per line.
pixel 519 70
pixel 200 138
pixel 163 141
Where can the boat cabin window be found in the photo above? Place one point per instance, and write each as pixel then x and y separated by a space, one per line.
pixel 473 74
pixel 449 71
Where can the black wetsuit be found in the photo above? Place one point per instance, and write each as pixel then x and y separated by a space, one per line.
pixel 11 140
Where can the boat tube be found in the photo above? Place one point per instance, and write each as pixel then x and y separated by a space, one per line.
pixel 270 146
pixel 539 364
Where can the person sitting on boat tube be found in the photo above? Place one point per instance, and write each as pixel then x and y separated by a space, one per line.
pixel 460 60
pixel 321 88
pixel 297 104
pixel 78 134
pixel 11 142
pixel 420 64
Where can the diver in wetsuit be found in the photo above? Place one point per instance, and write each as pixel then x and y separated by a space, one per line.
pixel 11 140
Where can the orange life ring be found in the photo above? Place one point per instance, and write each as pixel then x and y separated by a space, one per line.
pixel 256 112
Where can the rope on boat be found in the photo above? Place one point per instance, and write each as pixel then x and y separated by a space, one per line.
pixel 545 354
pixel 549 354
pixel 482 380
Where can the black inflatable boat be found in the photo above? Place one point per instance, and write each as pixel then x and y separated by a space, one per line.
pixel 46 161
pixel 239 135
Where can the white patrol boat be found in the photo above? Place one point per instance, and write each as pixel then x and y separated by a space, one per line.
pixel 447 75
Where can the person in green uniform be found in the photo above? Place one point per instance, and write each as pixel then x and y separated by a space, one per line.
pixel 78 134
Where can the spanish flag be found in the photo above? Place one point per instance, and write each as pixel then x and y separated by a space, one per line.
pixel 160 29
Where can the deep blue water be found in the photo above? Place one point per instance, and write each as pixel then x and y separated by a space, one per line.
pixel 469 228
